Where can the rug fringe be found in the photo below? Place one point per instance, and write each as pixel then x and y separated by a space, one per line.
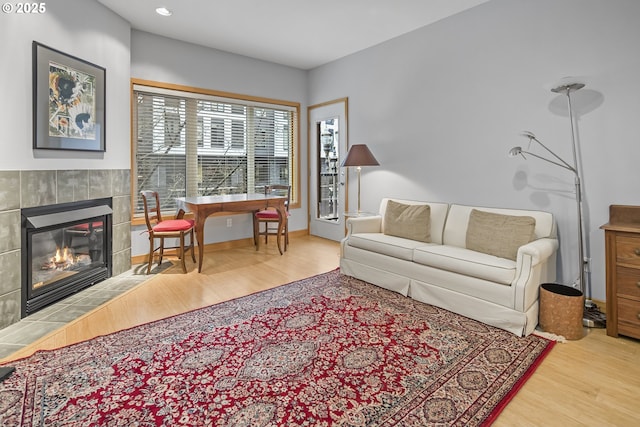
pixel 549 336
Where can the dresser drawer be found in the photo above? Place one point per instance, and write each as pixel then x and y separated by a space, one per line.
pixel 628 250
pixel 629 311
pixel 628 281
pixel 622 244
pixel 629 330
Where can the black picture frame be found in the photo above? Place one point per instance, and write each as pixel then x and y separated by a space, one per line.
pixel 68 102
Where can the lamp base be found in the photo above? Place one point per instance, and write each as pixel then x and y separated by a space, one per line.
pixel 593 317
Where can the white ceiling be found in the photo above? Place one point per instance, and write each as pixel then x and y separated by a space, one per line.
pixel 299 33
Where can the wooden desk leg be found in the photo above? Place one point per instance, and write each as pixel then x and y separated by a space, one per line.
pixel 200 239
pixel 256 230
pixel 282 216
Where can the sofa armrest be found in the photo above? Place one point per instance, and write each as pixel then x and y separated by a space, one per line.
pixel 535 263
pixel 365 224
pixel 539 250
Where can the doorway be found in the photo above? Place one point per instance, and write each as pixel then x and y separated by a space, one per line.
pixel 328 142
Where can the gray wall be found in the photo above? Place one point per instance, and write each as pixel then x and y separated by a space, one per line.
pixel 440 108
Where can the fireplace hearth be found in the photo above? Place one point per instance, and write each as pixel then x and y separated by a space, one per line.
pixel 65 248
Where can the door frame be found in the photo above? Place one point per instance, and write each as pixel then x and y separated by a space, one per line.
pixel 311 153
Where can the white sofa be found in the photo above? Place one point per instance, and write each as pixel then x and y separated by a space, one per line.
pixel 444 272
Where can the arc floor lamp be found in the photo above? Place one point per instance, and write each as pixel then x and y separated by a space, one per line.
pixel 518 151
pixel 566 89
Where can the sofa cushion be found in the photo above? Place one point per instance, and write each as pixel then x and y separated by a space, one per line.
pixel 467 262
pixel 384 244
pixel 455 230
pixel 498 234
pixel 437 217
pixel 408 221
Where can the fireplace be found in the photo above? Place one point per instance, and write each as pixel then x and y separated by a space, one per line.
pixel 65 248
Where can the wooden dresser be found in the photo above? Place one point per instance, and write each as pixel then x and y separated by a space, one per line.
pixel 622 245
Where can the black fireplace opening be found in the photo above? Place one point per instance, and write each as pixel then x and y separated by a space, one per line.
pixel 65 248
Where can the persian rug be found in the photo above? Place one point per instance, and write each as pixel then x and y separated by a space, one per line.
pixel 327 350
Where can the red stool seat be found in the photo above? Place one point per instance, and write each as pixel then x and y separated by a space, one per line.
pixel 173 225
pixel 269 214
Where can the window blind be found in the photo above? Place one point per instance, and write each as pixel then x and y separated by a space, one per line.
pixel 189 144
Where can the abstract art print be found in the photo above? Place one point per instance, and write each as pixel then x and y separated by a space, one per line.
pixel 68 102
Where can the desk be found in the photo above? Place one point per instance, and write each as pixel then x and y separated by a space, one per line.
pixel 203 206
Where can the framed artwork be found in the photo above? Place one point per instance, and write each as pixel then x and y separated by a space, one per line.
pixel 68 102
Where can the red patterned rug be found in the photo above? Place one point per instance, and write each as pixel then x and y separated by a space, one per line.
pixel 328 350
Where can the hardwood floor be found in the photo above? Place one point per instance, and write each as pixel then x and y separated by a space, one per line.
pixel 594 381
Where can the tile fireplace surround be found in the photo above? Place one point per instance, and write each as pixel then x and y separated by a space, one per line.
pixel 25 189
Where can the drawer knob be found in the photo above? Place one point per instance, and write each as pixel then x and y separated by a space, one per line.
pixel 638 284
pixel 636 251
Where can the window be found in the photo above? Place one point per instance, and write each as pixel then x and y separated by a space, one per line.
pixel 202 143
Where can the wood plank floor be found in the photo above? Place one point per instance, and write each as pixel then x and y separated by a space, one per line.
pixel 594 381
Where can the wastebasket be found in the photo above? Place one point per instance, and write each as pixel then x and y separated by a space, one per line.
pixel 561 310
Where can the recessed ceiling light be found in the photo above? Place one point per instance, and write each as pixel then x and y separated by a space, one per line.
pixel 163 11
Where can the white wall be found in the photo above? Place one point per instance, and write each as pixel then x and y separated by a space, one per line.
pixel 84 29
pixel 166 60
pixel 440 108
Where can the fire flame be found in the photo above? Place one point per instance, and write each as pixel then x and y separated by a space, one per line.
pixel 64 259
pixel 64 256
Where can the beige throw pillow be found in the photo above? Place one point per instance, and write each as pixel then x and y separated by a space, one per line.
pixel 408 221
pixel 497 234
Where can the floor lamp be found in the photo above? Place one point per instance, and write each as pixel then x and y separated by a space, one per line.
pixel 567 89
pixel 518 151
pixel 595 318
pixel 359 155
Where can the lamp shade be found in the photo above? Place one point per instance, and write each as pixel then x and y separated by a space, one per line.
pixel 359 155
pixel 515 151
